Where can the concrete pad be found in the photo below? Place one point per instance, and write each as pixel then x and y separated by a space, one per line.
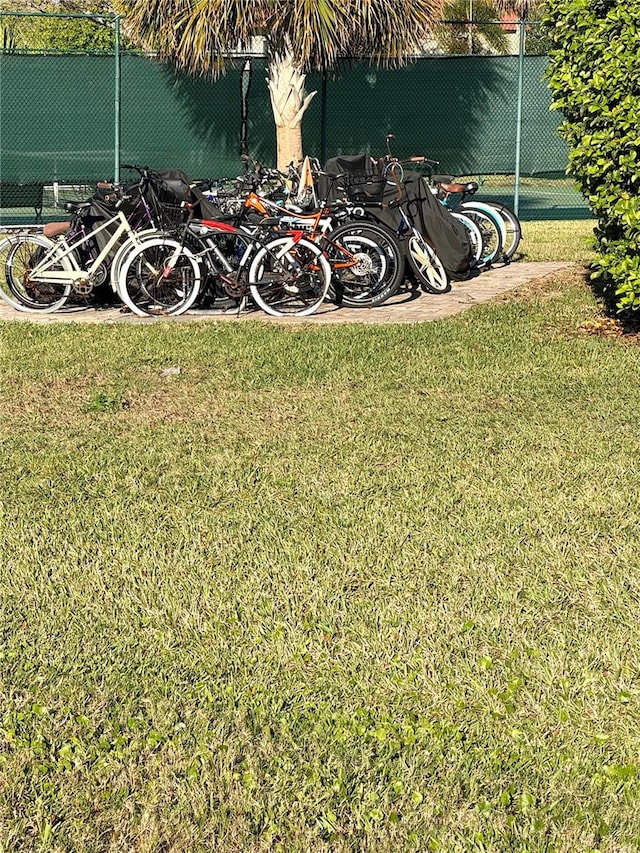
pixel 407 306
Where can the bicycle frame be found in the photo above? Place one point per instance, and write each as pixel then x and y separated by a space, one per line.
pixel 62 249
pixel 208 228
pixel 214 226
pixel 317 226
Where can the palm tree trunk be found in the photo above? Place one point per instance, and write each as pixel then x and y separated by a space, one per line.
pixel 288 101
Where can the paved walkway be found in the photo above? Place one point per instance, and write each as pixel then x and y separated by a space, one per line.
pixel 406 307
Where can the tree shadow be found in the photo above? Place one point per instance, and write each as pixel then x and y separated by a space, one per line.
pixel 461 111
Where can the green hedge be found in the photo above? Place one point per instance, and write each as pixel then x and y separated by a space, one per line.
pixel 595 80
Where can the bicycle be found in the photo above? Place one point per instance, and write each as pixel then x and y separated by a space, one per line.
pixel 71 258
pixel 285 274
pixel 457 195
pixel 485 217
pixel 423 259
pixel 489 222
pixel 366 260
pixel 43 274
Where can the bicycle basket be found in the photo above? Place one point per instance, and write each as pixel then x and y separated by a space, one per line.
pixel 360 186
pixel 168 215
pixel 166 192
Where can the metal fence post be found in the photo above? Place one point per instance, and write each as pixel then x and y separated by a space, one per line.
pixel 516 187
pixel 245 85
pixel 323 118
pixel 118 101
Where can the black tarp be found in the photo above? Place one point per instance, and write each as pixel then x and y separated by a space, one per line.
pixel 361 181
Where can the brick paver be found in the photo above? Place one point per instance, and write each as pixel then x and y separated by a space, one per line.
pixel 406 307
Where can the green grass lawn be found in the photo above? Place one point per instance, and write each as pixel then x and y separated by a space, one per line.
pixel 351 588
pixel 564 240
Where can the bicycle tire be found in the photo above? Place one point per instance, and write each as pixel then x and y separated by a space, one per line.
pixel 6 245
pixel 491 237
pixel 379 271
pixel 149 287
pixel 491 211
pixel 19 256
pixel 289 277
pixel 129 245
pixel 513 228
pixel 426 265
pixel 494 216
pixel 475 237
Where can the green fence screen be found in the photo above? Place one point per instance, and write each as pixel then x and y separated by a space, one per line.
pixel 71 119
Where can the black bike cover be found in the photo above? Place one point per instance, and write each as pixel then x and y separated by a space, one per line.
pixel 448 236
pixel 170 185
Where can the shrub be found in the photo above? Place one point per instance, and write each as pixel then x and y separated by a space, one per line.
pixel 595 81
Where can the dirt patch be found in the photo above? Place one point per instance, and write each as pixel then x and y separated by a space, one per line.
pixel 605 323
pixel 549 286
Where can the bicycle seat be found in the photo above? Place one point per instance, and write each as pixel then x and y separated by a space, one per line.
pixel 76 206
pixel 54 229
pixel 468 189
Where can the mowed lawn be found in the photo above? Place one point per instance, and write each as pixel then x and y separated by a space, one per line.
pixel 349 588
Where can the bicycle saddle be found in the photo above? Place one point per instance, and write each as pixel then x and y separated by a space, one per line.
pixel 468 189
pixel 54 229
pixel 76 206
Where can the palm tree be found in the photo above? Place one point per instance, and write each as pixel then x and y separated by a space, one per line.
pixel 198 36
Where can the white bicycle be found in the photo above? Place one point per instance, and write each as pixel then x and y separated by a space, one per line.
pixel 43 271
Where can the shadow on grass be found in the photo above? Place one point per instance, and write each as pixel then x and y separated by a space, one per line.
pixel 609 322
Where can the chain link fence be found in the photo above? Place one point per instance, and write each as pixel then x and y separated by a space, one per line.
pixel 69 118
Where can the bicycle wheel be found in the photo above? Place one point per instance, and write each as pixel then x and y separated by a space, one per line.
pixel 223 260
pixel 379 268
pixel 24 289
pixel 491 239
pixel 6 245
pixel 493 242
pixel 513 229
pixel 129 245
pixel 160 278
pixel 289 277
pixel 475 237
pixel 426 265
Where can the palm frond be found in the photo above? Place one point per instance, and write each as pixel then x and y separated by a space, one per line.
pixel 197 34
pixel 522 8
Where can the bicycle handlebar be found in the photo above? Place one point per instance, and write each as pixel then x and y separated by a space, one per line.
pixel 422 159
pixel 142 170
pixel 390 158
